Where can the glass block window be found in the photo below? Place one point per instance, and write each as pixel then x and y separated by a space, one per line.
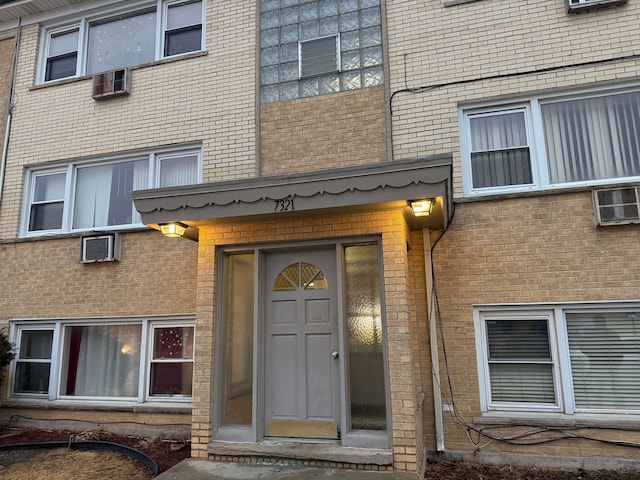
pixel 290 29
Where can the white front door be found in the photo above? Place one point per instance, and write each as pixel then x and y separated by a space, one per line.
pixel 302 397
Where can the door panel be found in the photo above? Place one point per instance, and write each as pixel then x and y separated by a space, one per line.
pixel 285 388
pixel 301 368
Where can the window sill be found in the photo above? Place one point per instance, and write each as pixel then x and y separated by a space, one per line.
pixel 613 421
pixel 99 406
pixel 538 192
pixel 65 81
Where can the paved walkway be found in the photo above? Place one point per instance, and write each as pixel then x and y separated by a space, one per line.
pixel 198 469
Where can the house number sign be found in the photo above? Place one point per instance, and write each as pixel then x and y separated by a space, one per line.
pixel 284 205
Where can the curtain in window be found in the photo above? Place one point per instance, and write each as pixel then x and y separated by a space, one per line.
pixel 605 360
pixel 520 364
pixel 181 170
pixel 499 151
pixel 593 138
pixel 103 194
pixel 101 361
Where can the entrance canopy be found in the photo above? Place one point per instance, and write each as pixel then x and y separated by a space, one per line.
pixel 385 185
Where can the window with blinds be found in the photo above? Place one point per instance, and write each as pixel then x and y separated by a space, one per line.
pixel 520 362
pixel 605 360
pixel 551 141
pixel 561 359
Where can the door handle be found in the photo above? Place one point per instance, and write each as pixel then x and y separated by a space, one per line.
pixel 335 354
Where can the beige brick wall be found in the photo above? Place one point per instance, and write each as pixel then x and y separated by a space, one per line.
pixel 46 279
pixel 208 98
pixel 404 393
pixel 323 132
pixel 431 44
pixel 538 249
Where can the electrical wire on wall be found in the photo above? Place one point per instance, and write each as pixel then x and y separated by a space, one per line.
pixel 501 76
pixel 534 434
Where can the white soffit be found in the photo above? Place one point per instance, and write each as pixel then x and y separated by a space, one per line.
pixel 13 10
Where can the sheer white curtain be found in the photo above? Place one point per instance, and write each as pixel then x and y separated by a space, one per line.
pixel 102 361
pixel 499 150
pixel 93 191
pixel 593 138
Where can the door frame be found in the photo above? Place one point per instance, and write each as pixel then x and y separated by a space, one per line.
pixel 256 432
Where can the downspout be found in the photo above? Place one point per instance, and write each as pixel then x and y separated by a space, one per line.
pixel 7 129
pixel 433 342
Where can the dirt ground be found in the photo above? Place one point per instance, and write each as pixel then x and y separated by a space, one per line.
pixel 167 454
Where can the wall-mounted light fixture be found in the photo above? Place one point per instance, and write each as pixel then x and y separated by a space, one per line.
pixel 173 229
pixel 422 208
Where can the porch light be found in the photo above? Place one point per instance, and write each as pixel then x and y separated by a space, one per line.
pixel 173 229
pixel 422 208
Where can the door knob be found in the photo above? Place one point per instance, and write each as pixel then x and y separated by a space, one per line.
pixel 335 354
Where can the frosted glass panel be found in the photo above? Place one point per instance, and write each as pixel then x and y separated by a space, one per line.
pixel 328 8
pixel 373 76
pixel 372 36
pixel 351 80
pixel 329 84
pixel 238 315
pixel 372 56
pixel 370 17
pixel 356 27
pixel 309 11
pixel 364 324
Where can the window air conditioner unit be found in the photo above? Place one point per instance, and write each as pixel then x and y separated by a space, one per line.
pixel 100 248
pixel 114 83
pixel 577 5
pixel 617 206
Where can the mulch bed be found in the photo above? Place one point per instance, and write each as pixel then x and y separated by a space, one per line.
pixel 165 454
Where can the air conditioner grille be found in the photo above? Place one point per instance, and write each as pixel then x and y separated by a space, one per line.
pixel 102 248
pixel 616 206
pixel 113 83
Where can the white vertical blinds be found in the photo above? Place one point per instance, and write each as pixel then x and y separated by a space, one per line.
pixel 593 138
pixel 605 360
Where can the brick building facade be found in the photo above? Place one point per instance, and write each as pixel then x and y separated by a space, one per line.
pixel 310 313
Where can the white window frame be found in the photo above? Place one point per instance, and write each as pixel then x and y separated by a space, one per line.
pixel 153 157
pixel 153 326
pixel 559 345
pixel 58 327
pixel 483 361
pixel 535 139
pixel 83 25
pixel 15 333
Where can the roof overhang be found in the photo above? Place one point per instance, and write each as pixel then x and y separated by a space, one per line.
pixel 386 185
pixel 15 9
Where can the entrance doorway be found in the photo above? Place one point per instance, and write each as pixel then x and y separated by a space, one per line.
pixel 302 365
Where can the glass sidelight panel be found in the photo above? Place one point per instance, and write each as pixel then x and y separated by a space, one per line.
pixel 364 329
pixel 238 310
